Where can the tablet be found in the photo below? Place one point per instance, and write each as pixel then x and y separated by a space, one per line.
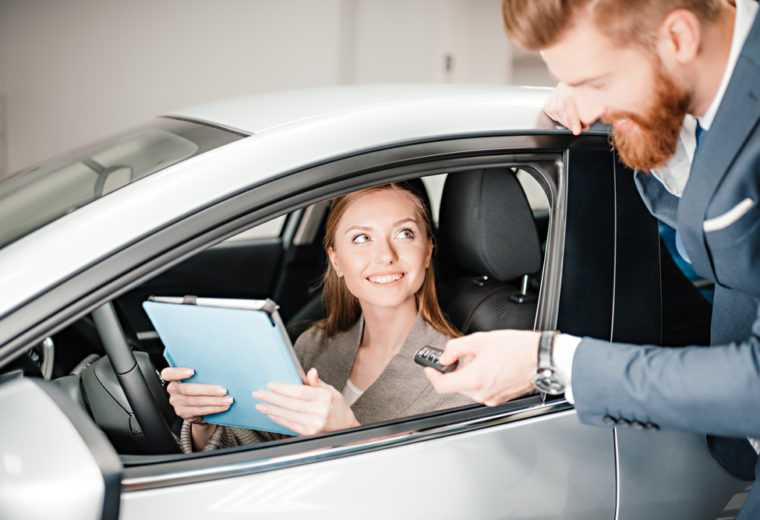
pixel 239 344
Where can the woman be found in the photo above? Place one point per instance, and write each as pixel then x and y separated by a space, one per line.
pixel 380 297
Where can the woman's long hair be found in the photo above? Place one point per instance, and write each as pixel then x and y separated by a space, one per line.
pixel 342 307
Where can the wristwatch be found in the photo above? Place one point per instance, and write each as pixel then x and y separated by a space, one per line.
pixel 547 379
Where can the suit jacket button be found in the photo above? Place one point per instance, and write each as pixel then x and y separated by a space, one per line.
pixel 624 422
pixel 609 420
pixel 651 427
pixel 636 425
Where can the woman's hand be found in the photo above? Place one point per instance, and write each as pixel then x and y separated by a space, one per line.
pixel 192 401
pixel 308 409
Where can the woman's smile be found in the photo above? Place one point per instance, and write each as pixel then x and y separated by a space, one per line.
pixel 385 279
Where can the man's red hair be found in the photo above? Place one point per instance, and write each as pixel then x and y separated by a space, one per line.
pixel 537 24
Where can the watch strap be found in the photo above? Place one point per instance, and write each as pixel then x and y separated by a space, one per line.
pixel 547 379
pixel 546 350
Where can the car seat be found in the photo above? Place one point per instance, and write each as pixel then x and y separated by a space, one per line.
pixel 489 247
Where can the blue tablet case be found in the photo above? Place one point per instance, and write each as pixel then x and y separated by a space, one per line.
pixel 241 349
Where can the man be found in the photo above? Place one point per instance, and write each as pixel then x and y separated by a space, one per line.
pixel 679 81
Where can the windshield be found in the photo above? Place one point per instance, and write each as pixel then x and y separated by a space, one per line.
pixel 40 194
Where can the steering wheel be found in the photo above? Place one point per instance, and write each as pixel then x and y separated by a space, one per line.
pixel 158 437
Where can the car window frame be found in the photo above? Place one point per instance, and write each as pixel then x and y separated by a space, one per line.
pixel 111 277
pixel 107 278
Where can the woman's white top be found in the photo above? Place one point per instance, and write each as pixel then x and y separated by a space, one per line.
pixel 351 393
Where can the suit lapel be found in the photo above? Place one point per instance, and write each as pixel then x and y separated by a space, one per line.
pixel 737 116
pixel 658 200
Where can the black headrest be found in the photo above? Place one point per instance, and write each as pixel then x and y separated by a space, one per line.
pixel 487 226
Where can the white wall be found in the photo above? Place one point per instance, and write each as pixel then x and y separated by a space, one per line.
pixel 410 41
pixel 529 69
pixel 72 71
pixel 396 41
pixel 79 69
pixel 479 48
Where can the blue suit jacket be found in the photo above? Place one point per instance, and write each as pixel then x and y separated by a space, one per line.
pixel 707 390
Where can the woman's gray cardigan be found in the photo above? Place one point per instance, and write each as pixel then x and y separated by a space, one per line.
pixel 401 389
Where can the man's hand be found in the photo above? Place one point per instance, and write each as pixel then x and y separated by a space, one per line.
pixel 497 366
pixel 562 108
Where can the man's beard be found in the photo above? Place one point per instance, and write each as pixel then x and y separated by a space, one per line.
pixel 654 139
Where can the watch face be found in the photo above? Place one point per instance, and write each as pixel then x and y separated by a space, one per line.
pixel 547 382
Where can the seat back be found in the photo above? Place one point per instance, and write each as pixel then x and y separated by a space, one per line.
pixel 488 244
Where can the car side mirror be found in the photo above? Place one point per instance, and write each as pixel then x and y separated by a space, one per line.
pixel 54 461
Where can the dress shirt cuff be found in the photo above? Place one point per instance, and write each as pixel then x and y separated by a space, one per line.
pixel 565 346
pixel 755 444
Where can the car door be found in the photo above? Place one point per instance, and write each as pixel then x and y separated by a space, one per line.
pixel 530 464
pixel 659 474
pixel 524 459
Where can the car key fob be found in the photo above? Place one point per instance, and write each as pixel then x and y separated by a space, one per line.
pixel 428 357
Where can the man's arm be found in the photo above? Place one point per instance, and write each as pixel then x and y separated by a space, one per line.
pixel 707 390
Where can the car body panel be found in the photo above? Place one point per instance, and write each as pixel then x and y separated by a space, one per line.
pixel 266 112
pixel 518 470
pixel 653 484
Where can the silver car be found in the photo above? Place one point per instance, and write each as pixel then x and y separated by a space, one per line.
pixel 229 200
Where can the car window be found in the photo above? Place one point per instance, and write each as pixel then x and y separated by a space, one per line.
pixel 268 269
pixel 434 186
pixel 533 191
pixel 40 194
pixel 269 229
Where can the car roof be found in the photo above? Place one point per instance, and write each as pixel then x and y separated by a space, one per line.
pixel 260 113
pixel 290 130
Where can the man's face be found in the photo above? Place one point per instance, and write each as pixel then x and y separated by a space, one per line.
pixel 627 88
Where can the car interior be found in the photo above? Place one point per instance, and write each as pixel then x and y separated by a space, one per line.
pixel 490 239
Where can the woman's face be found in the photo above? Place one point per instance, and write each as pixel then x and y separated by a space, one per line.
pixel 380 249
